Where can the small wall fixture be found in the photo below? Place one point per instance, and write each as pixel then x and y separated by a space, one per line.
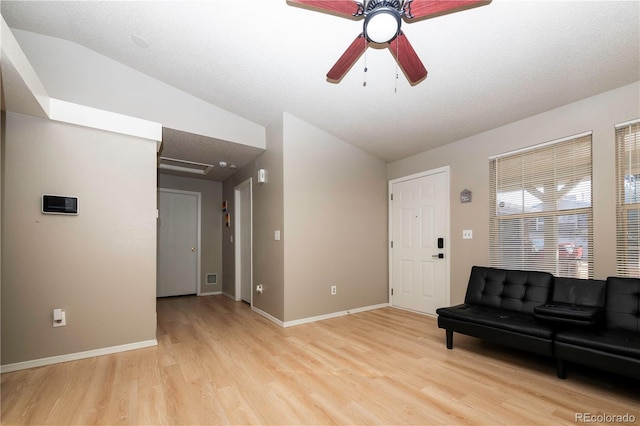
pixel 262 176
pixel 465 196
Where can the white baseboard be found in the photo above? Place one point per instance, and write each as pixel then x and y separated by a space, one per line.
pixel 230 296
pixel 334 315
pixel 210 293
pixel 76 356
pixel 267 316
pixel 427 314
pixel 319 317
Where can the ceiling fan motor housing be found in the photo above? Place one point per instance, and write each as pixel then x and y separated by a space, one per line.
pixel 382 20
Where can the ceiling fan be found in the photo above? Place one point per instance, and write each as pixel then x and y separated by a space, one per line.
pixel 382 22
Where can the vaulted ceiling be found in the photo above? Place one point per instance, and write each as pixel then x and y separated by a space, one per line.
pixel 488 66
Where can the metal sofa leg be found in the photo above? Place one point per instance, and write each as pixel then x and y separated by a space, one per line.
pixel 562 373
pixel 449 339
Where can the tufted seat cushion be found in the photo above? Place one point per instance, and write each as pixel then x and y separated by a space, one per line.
pixel 514 321
pixel 619 342
pixel 508 289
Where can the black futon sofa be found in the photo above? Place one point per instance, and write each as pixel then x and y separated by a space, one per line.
pixel 590 322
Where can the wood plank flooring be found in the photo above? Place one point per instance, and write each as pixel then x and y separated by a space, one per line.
pixel 218 362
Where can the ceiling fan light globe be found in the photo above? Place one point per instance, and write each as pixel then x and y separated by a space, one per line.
pixel 382 25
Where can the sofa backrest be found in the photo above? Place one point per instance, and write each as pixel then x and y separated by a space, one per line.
pixel 579 292
pixel 623 303
pixel 508 289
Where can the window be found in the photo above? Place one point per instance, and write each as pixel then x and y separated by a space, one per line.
pixel 628 198
pixel 541 214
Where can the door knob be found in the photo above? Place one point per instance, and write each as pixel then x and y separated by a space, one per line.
pixel 193 249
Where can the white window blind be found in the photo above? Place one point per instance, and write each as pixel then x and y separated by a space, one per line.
pixel 628 198
pixel 540 208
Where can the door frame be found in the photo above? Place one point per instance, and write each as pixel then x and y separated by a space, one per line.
pixel 238 241
pixel 447 214
pixel 199 231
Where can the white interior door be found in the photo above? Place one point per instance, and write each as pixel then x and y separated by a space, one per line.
pixel 419 234
pixel 178 242
pixel 243 232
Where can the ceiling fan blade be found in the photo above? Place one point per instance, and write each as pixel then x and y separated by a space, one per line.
pixel 342 7
pixel 348 58
pixel 414 9
pixel 407 59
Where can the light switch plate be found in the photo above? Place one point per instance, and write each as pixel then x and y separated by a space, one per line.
pixel 276 235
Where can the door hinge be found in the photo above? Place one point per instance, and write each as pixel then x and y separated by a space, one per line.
pixel 392 292
pixel 391 244
pixel 391 196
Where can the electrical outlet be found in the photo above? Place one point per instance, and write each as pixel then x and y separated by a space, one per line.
pixel 467 234
pixel 334 290
pixel 59 318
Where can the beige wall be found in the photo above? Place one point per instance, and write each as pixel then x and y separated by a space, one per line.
pixel 210 226
pixel 268 215
pixel 469 163
pixel 335 211
pixel 332 199
pixel 99 266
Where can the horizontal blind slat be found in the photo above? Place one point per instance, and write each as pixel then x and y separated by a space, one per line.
pixel 540 209
pixel 628 199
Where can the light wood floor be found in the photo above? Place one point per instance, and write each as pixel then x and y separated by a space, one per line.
pixel 217 362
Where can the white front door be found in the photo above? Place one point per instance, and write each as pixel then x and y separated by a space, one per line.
pixel 419 235
pixel 178 246
pixel 243 241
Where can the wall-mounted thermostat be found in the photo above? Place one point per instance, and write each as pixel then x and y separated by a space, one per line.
pixel 57 204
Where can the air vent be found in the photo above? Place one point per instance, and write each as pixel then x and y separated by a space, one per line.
pixel 212 279
pixel 184 166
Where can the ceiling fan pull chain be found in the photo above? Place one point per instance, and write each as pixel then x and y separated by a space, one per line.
pixel 395 89
pixel 364 76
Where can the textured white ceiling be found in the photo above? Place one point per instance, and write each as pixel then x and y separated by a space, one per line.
pixel 487 66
